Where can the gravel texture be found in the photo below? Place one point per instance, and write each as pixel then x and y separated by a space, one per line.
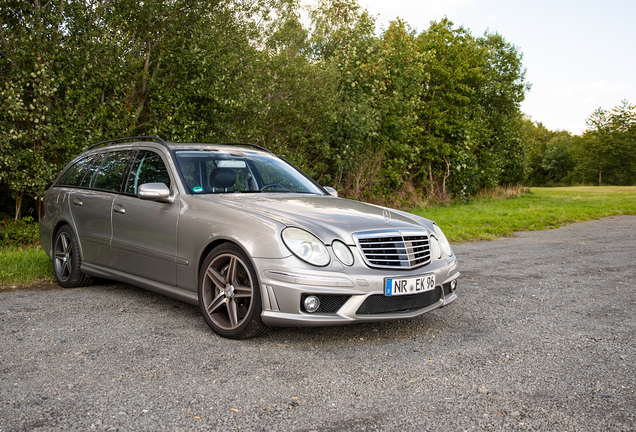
pixel 543 337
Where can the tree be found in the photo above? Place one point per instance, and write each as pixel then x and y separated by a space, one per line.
pixel 557 160
pixel 606 150
pixel 74 73
pixel 31 37
pixel 377 115
pixel 503 148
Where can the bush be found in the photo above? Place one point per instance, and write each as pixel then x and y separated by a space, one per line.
pixel 22 232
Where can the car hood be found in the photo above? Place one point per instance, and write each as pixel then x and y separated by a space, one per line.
pixel 327 217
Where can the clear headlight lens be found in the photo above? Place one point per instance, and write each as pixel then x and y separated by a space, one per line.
pixel 342 252
pixel 436 251
pixel 443 242
pixel 306 246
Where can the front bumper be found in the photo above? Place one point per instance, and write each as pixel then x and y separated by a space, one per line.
pixel 360 288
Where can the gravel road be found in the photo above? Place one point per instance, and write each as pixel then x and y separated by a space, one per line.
pixel 543 337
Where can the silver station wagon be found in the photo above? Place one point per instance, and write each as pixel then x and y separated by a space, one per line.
pixel 237 230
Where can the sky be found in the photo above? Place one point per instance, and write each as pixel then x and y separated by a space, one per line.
pixel 579 55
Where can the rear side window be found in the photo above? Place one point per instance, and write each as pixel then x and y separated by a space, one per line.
pixel 73 176
pixel 147 168
pixel 92 171
pixel 110 174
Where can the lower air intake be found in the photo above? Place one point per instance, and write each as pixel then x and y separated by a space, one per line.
pixel 379 303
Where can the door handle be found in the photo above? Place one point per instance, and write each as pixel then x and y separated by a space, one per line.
pixel 119 209
pixel 77 202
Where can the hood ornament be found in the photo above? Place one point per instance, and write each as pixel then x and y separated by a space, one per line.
pixel 387 216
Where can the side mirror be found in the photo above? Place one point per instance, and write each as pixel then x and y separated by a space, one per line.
pixel 331 191
pixel 155 192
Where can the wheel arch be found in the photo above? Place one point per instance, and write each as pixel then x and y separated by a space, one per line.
pixel 56 229
pixel 214 244
pixel 244 325
pixel 58 226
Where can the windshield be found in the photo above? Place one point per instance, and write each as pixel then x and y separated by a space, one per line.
pixel 208 172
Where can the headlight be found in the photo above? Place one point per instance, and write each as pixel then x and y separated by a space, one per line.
pixel 435 249
pixel 306 246
pixel 443 242
pixel 342 252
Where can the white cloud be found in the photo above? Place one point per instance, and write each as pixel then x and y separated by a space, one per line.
pixel 422 11
pixel 588 92
pixel 567 107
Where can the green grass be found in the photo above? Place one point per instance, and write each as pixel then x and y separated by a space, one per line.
pixel 542 208
pixel 24 266
pixel 482 219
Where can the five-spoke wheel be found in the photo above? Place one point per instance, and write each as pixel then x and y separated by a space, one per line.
pixel 63 257
pixel 229 295
pixel 66 260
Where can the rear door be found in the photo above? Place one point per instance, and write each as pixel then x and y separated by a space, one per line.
pixel 90 210
pixel 91 205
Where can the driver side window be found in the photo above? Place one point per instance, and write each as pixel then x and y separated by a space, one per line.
pixel 147 168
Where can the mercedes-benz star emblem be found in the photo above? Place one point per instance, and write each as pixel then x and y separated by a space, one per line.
pixel 387 216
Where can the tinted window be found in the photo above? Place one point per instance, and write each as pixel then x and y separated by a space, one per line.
pixel 110 173
pixel 75 173
pixel 275 172
pixel 92 171
pixel 219 172
pixel 147 168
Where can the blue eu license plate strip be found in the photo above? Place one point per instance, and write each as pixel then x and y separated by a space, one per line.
pixel 406 286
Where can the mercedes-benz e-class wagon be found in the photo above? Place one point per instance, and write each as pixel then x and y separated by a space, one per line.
pixel 237 230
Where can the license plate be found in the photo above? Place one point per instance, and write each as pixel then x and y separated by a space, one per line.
pixel 414 285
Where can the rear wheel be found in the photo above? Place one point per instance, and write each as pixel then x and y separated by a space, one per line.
pixel 66 260
pixel 229 294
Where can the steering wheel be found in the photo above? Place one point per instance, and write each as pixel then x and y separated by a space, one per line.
pixel 269 185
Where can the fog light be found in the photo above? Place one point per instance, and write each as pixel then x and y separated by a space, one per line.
pixel 312 303
pixel 454 285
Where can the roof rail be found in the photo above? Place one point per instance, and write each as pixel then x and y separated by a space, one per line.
pixel 245 144
pixel 136 138
pixel 162 142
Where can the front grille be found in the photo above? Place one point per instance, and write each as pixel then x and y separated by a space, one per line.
pixel 394 248
pixel 379 303
pixel 328 303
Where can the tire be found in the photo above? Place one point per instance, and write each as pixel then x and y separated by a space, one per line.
pixel 67 261
pixel 229 294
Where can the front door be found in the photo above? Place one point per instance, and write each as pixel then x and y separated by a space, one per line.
pixel 145 232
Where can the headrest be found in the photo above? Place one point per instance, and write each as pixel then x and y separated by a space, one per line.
pixel 222 178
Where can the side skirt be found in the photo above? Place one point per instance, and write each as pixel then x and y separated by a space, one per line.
pixel 157 287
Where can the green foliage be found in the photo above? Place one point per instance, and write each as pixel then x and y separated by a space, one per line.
pixel 557 160
pixel 607 150
pixel 470 111
pixel 18 232
pixel 435 113
pixel 603 155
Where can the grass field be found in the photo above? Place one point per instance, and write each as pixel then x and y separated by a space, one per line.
pixel 482 219
pixel 24 266
pixel 542 208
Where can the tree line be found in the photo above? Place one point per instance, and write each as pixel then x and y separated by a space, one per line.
pixel 388 115
pixel 605 154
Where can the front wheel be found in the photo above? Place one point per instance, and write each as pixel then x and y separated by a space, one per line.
pixel 66 260
pixel 229 294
